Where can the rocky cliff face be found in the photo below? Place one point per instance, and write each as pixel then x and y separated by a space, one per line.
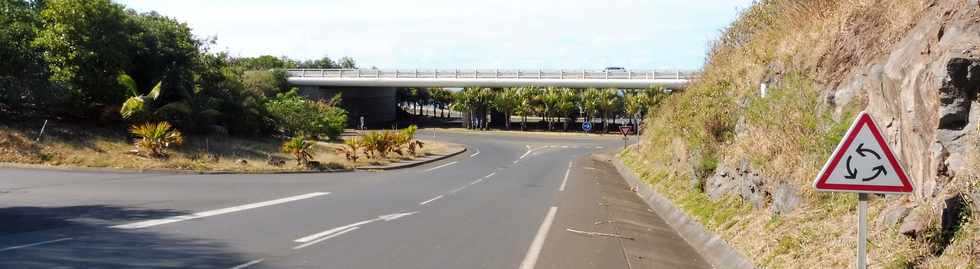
pixel 924 94
pixel 912 64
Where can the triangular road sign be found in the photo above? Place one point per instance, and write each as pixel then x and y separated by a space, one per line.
pixel 863 162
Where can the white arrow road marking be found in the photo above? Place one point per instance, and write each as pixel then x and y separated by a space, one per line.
pixel 326 237
pixel 247 264
pixel 35 244
pixel 211 213
pixel 532 253
pixel 441 166
pixel 386 218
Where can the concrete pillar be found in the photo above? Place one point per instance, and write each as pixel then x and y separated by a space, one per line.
pixel 376 104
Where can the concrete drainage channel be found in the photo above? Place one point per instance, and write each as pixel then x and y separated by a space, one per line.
pixel 713 248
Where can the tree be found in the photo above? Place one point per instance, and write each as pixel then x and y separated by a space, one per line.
pixel 347 63
pixel 163 50
pixel 506 102
pixel 590 103
pixel 442 97
pixel 261 82
pixel 86 44
pixel 23 74
pixel 566 102
pixel 527 104
pixel 608 100
pixel 297 116
pixel 635 104
pixel 322 63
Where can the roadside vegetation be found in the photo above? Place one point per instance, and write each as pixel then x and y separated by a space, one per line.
pixel 113 87
pixel 557 109
pixel 766 145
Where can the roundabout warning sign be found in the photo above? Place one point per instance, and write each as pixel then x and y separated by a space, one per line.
pixel 863 162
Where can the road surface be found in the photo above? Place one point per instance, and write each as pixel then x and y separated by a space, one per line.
pixel 507 202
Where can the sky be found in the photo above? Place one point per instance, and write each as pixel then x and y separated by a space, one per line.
pixel 448 34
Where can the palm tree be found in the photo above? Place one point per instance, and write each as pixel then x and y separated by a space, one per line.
pixel 506 102
pixel 443 97
pixel 155 137
pixel 608 100
pixel 635 103
pixel 527 101
pixel 567 101
pixel 590 103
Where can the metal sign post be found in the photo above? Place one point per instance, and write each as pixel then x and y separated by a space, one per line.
pixel 863 163
pixel 862 243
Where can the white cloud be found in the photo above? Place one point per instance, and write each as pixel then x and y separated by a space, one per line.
pixel 447 34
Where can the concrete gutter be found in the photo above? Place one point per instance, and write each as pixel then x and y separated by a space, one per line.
pixel 400 165
pixel 713 248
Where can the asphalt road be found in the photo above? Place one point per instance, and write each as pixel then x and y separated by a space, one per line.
pixel 501 204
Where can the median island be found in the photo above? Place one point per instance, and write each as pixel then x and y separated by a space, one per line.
pixel 67 146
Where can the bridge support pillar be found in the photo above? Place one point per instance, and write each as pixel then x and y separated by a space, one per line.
pixel 376 104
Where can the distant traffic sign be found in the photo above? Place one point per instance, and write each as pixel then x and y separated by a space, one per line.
pixel 587 126
pixel 626 130
pixel 863 162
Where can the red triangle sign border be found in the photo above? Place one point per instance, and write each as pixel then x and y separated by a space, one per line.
pixel 862 120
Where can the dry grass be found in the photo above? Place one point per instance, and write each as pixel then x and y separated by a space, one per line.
pixel 84 146
pixel 806 46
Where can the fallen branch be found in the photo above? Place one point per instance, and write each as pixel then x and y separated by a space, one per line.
pixel 599 234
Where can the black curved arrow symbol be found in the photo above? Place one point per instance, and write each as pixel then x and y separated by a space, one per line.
pixel 861 151
pixel 851 174
pixel 879 170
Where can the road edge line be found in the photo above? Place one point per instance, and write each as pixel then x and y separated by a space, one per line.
pixel 538 243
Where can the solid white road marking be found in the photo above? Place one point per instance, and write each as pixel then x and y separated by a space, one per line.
pixel 430 200
pixel 600 147
pixel 564 147
pixel 490 175
pixel 565 180
pixel 211 213
pixel 441 166
pixel 589 168
pixel 532 253
pixel 474 154
pixel 326 237
pixel 34 244
pixel 389 217
pixel 247 264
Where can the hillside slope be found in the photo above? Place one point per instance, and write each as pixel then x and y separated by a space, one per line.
pixel 740 147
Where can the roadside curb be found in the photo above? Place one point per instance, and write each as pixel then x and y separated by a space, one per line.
pixel 223 172
pixel 413 163
pixel 713 248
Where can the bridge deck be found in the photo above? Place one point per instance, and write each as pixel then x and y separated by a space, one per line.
pixel 488 78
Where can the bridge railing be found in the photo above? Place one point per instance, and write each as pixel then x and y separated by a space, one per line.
pixel 492 74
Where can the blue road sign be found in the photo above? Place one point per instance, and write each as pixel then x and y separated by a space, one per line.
pixel 587 126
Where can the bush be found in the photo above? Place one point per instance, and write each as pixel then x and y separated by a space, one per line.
pixel 155 137
pixel 296 115
pixel 299 148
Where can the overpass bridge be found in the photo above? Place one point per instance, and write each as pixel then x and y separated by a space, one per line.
pixel 371 93
pixel 493 78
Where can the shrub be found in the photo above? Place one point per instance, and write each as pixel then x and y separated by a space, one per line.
pixel 300 149
pixel 294 114
pixel 155 137
pixel 353 145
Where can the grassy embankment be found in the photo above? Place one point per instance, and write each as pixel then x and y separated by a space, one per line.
pixel 786 136
pixel 85 146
